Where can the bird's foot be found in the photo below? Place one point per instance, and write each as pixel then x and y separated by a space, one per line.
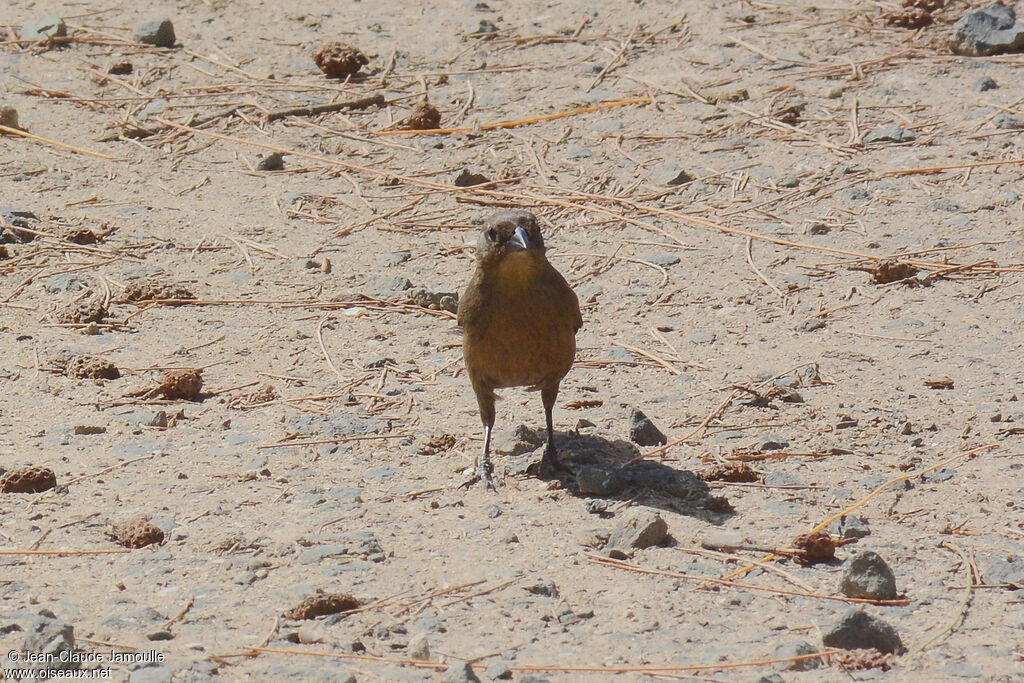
pixel 484 472
pixel 550 466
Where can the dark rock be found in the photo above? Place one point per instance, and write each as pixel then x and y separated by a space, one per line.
pixel 460 672
pixel 642 431
pixel 868 576
pixel 467 178
pixel 893 133
pixel 48 636
pixel 679 484
pixel 484 26
pixel 796 649
pixel 849 527
pixel 670 174
pixel 271 162
pixel 985 83
pixel 43 28
pixel 499 671
pixel 10 220
pixel 858 630
pixel 1008 122
pixel 771 442
pixel 987 31
pixel 600 481
pixel 640 528
pixel 158 31
pixel 9 117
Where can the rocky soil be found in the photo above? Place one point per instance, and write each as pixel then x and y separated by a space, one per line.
pixel 227 336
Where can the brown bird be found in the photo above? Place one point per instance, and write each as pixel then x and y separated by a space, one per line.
pixel 519 319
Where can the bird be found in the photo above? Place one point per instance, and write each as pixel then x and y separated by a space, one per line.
pixel 519 319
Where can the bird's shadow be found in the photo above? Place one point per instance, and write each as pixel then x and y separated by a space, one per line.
pixel 597 466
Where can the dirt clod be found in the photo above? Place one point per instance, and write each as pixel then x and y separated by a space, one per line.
pixel 884 272
pixel 322 604
pixel 338 60
pixel 90 310
pixel 28 480
pixel 860 660
pixel 718 504
pixel 154 290
pixel 181 384
pixel 137 533
pixel 909 17
pixel 437 443
pixel 730 471
pixel 815 548
pixel 424 116
pixel 91 367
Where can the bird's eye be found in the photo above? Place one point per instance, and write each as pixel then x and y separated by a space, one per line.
pixel 492 234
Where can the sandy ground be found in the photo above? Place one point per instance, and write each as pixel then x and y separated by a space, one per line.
pixel 759 264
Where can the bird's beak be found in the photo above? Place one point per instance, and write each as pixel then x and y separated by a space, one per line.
pixel 520 239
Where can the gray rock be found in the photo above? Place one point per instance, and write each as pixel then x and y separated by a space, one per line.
pixel 394 258
pixel 771 442
pixel 858 630
pixel 811 324
pixel 435 301
pixel 499 671
pixel 701 337
pixel 670 174
pixel 680 484
pixel 642 431
pixel 574 152
pixel 985 83
pixel 849 527
pixel 467 178
pixel 600 481
pixel 158 31
pixel 783 479
pixel 639 528
pixel 893 133
pixel 483 26
pixel 386 286
pixel 49 636
pixel 944 204
pixel 868 576
pixel 419 647
pixel 272 162
pixel 460 672
pixel 796 649
pixel 43 28
pixel 1008 122
pixel 517 440
pixel 339 425
pixel 961 670
pixel 152 674
pixel 1008 569
pixel 663 260
pixel 770 678
pixel 987 31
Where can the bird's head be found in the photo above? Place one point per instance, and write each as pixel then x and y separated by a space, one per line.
pixel 507 233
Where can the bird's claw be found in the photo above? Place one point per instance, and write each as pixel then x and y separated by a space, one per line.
pixel 484 472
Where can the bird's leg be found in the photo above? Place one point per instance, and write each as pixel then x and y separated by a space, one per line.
pixel 484 468
pixel 549 463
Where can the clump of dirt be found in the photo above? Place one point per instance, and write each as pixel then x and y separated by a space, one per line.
pixel 322 604
pixel 730 471
pixel 28 480
pixel 814 548
pixel 718 504
pixel 155 290
pixel 437 443
pixel 263 394
pixel 181 384
pixel 88 310
pixel 80 236
pixel 424 116
pixel 137 533
pixel 859 660
pixel 884 272
pixel 91 367
pixel 338 60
